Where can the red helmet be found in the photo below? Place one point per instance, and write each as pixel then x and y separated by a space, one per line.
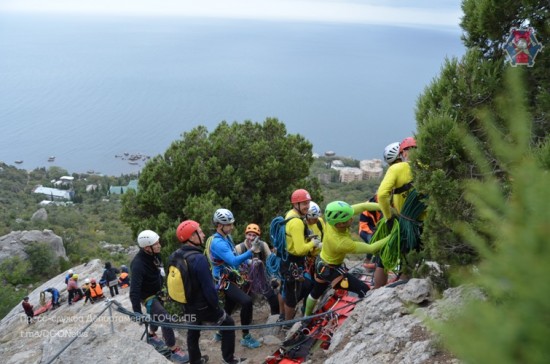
pixel 253 228
pixel 300 195
pixel 407 143
pixel 186 229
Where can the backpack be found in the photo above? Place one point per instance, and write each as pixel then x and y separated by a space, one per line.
pixel 178 279
pixel 277 232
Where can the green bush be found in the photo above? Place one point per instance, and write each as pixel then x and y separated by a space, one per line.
pixel 15 270
pixel 43 262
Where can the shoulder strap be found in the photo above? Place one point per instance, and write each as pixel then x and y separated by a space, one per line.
pixel 320 226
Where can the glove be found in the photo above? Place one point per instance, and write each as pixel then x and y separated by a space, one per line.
pixel 317 243
pixel 222 318
pixel 162 273
pixel 256 245
pixel 389 222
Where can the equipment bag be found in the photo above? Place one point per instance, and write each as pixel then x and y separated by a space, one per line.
pixel 178 280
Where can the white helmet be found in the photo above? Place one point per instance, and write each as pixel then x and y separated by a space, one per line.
pixel 70 271
pixel 314 211
pixel 147 238
pixel 391 152
pixel 223 216
pixel 87 281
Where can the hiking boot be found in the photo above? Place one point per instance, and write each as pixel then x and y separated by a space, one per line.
pixel 235 360
pixel 218 336
pixel 250 342
pixel 155 341
pixel 179 356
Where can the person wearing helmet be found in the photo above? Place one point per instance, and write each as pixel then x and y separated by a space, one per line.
pixel 203 304
pixel 146 285
pixel 316 226
pixel 75 292
pixel 299 246
pixel 225 263
pixel 258 280
pixel 392 193
pixel 329 266
pixel 68 276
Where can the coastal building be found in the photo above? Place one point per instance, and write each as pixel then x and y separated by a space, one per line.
pixel 350 174
pixel 372 168
pixel 120 190
pixel 54 193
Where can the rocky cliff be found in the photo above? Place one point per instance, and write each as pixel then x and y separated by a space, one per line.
pixel 385 327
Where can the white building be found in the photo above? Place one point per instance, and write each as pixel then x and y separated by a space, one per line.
pixel 372 168
pixel 54 193
pixel 350 174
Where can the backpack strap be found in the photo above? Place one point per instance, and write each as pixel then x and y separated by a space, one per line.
pixel 404 188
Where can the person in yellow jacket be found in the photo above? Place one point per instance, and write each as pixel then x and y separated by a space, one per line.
pixel 295 286
pixel 337 243
pixel 392 193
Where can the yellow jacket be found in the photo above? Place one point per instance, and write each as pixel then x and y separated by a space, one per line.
pixel 397 176
pixel 295 239
pixel 338 243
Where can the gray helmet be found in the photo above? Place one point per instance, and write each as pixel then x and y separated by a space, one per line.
pixel 223 216
pixel 391 152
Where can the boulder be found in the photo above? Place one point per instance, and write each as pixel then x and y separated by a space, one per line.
pixel 40 215
pixel 15 243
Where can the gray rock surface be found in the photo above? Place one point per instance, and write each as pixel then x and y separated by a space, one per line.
pixel 40 215
pixel 15 243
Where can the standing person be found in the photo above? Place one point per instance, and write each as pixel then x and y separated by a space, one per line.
pixel 146 285
pixel 28 310
pixel 225 263
pixel 394 189
pixel 295 286
pixel 391 157
pixel 203 304
pixel 75 292
pixel 367 227
pixel 330 267
pixel 258 279
pixel 68 276
pixel 55 296
pixel 110 278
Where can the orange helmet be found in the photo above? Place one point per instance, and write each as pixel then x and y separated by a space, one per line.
pixel 186 229
pixel 300 195
pixel 407 143
pixel 253 228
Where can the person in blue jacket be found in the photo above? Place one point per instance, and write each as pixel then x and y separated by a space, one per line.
pixel 55 296
pixel 225 263
pixel 203 304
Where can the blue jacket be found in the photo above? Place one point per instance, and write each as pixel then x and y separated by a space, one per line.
pixel 223 254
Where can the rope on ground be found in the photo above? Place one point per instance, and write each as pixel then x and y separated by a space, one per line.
pixel 109 303
pixel 136 317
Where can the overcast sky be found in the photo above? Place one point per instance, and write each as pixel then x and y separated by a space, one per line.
pixel 418 13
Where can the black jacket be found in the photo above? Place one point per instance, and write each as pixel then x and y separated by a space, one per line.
pixel 146 278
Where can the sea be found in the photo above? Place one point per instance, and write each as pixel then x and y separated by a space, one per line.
pixel 85 93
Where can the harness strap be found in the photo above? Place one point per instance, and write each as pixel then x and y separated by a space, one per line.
pixel 404 188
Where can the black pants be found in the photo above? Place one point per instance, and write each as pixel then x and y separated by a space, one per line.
pixel 273 300
pixel 295 290
pixel 73 293
pixel 233 296
pixel 159 313
pixel 113 290
pixel 209 315
pixel 354 285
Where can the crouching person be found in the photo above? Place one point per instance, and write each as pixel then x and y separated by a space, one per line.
pixel 337 243
pixel 202 305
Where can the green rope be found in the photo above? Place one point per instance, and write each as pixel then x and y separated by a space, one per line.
pixel 405 233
